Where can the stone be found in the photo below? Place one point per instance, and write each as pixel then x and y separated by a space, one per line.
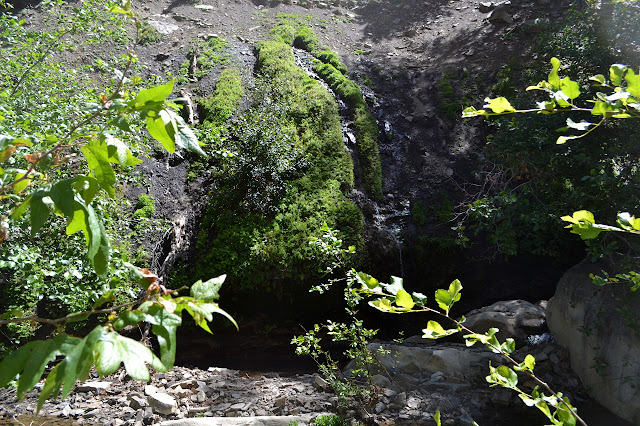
pixel 93 386
pixel 579 306
pixel 517 319
pixel 150 390
pixel 162 403
pixel 501 13
pixel 163 27
pixel 320 383
pixel 204 7
pixel 137 402
pixel 280 402
pixel 486 7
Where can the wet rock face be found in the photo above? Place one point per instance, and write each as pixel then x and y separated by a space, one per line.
pixel 605 352
pixel 517 319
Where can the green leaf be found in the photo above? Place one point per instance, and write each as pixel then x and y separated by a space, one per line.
pixel 87 187
pixel 97 157
pixel 447 298
pixel 156 125
pixel 419 298
pixel 503 376
pixel 113 349
pixel 469 112
pixel 22 208
pixel 383 305
pixel 62 195
pixel 570 88
pixel 164 326
pixel 184 136
pixel 601 108
pixel 633 82
pixel 499 105
pixel 582 223
pixel 583 125
pixel 22 185
pixel 85 219
pixel 156 94
pixel 563 139
pixel 508 346
pixel 367 281
pixel 598 78
pixel 554 79
pixel 208 290
pixel 39 212
pixel 616 71
pixel 436 418
pixel 404 300
pixel 528 364
pixel 119 153
pixel 395 286
pixel 31 359
pixel 75 366
pixel 435 331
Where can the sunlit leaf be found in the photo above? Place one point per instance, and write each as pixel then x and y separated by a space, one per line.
pixel 583 125
pixel 118 152
pixel 570 88
pixel 554 79
pixel 435 331
pixel 616 71
pixel 499 105
pixel 156 94
pixel 404 300
pixel 633 82
pixel 208 290
pixel 112 350
pixel 98 162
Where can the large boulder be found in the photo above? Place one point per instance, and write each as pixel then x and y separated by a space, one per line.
pixel 592 323
pixel 517 319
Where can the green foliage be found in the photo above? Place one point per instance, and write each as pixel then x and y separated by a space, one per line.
pixel 331 58
pixel 326 420
pixel 531 181
pixel 354 333
pixel 202 58
pixel 145 207
pixel 393 298
pixel 41 192
pixel 148 34
pixel 306 39
pixel 286 175
pixel 219 107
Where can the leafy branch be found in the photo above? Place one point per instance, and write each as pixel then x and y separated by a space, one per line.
pixel 622 101
pixel 393 298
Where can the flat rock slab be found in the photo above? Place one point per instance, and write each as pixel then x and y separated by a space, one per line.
pixel 239 421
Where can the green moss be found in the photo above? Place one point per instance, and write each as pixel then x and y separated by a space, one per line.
pixel 306 39
pixel 219 107
pixel 208 54
pixel 290 174
pixel 145 207
pixel 329 57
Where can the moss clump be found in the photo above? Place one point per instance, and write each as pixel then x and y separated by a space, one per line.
pixel 329 57
pixel 290 173
pixel 145 207
pixel 219 107
pixel 306 39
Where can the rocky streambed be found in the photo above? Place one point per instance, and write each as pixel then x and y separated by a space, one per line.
pixel 413 382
